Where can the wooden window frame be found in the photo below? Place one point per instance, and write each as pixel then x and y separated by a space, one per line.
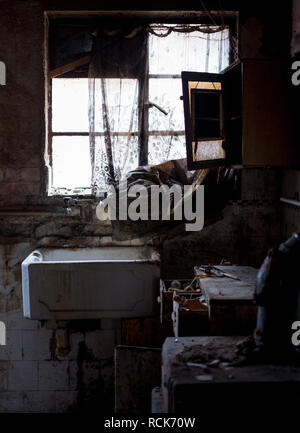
pixel 230 21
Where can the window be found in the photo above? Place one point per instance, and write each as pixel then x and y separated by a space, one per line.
pixel 71 167
pixel 168 57
pixel 213 117
pixel 163 128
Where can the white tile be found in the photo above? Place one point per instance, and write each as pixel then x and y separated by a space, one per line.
pixel 4 365
pixel 36 344
pixel 66 401
pixel 12 351
pixel 16 320
pixel 23 375
pixel 53 375
pixel 39 401
pixel 73 375
pixel 11 402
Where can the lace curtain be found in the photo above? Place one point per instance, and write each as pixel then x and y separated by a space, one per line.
pixel 135 110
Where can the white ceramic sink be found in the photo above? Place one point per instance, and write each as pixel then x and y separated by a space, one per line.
pixel 87 283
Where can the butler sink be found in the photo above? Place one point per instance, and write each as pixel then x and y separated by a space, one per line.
pixel 90 283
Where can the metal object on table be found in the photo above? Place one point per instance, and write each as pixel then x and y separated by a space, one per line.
pixel 213 271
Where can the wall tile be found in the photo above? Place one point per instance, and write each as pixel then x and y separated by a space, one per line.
pixel 23 375
pixel 53 375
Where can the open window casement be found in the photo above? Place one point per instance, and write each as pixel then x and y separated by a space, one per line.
pixel 213 117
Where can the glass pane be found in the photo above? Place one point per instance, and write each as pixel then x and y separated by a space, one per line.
pixel 70 105
pixel 166 94
pixel 207 150
pixel 208 85
pixel 71 162
pixel 188 52
pixel 219 51
pixel 121 97
pixel 206 114
pixel 163 148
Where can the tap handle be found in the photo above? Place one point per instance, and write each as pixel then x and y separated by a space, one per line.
pixel 68 201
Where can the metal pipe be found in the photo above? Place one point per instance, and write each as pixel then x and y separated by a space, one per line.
pixel 290 201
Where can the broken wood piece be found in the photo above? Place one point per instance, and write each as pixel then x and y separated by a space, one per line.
pixel 70 66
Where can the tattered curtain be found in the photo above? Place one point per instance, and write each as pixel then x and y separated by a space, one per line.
pixel 135 112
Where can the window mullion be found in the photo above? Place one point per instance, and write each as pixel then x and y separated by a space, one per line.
pixel 143 111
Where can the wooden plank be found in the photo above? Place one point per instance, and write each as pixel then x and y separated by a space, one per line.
pixel 70 66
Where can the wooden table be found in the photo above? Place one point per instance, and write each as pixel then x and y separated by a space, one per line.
pixel 230 302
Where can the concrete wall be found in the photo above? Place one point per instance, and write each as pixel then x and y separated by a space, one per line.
pixel 34 375
pixel 249 227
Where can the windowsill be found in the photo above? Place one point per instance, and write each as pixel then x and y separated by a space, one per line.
pixel 76 192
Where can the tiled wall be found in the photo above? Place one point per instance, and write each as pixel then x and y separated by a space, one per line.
pixel 32 381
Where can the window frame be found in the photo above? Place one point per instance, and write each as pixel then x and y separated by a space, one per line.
pixel 231 21
pixel 231 94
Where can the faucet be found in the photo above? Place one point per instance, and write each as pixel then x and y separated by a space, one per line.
pixel 68 202
pixel 84 208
